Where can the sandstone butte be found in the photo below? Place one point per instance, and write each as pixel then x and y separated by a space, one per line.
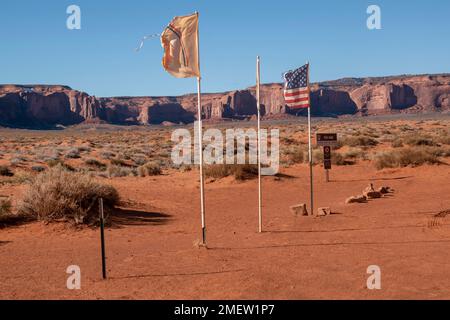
pixel 50 105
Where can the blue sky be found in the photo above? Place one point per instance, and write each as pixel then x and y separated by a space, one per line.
pixel 36 46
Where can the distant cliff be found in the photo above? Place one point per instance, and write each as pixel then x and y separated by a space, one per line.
pixel 41 105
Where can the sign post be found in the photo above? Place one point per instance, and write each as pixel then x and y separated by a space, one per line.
pixel 102 237
pixel 327 140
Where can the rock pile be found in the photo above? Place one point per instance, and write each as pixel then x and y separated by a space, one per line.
pixel 369 193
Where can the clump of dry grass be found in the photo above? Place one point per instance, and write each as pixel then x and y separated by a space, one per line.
pixel 5 171
pixel 359 141
pixel 61 195
pixel 239 171
pixel 5 208
pixel 115 171
pixel 404 157
pixel 151 168
pixel 95 163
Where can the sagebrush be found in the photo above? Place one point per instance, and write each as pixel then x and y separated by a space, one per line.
pixel 61 195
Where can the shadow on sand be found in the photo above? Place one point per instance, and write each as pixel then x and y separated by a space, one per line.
pixel 127 217
pixel 3 243
pixel 176 274
pixel 335 244
pixel 375 179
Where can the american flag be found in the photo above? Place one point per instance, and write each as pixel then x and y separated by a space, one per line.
pixel 296 90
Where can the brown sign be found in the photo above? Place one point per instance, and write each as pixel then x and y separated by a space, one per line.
pixel 326 139
pixel 327 157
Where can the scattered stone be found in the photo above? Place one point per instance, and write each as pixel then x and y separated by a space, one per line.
pixel 356 199
pixel 299 210
pixel 325 211
pixel 370 188
pixel 384 190
pixel 373 195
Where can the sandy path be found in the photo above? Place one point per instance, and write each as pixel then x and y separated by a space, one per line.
pixel 152 256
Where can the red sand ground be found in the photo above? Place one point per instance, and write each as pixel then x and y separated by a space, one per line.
pixel 152 256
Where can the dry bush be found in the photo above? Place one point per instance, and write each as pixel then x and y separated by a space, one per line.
pixel 418 141
pixel 114 171
pixel 359 141
pixel 119 162
pixel 5 208
pixel 95 163
pixel 61 195
pixel 405 157
pixel 5 171
pixel 151 168
pixel 73 154
pixel 54 163
pixel 295 154
pixel 239 171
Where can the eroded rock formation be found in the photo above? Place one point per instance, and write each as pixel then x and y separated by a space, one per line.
pixel 40 105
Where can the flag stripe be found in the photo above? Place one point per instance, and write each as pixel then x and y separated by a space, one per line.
pixel 297 100
pixel 291 92
pixel 296 89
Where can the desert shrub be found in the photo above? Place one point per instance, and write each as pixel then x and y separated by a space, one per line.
pixel 38 168
pixel 444 139
pixel 354 153
pixel 54 163
pixel 359 141
pixel 17 160
pixel 139 160
pixel 397 143
pixel 239 171
pixel 295 154
pixel 95 163
pixel 5 208
pixel 151 168
pixel 419 141
pixel 61 195
pixel 119 171
pixel 245 171
pixel 5 171
pixel 107 155
pixel 73 154
pixel 217 171
pixel 118 162
pixel 405 157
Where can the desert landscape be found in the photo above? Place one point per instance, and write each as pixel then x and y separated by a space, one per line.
pixel 153 213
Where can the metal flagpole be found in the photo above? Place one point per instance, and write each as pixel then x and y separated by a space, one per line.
pixel 258 102
pixel 200 143
pixel 310 148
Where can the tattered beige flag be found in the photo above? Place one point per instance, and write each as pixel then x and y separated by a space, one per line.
pixel 180 43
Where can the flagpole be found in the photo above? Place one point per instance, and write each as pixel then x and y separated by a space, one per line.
pixel 310 149
pixel 200 143
pixel 258 103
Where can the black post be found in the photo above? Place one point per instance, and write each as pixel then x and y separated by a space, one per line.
pixel 102 237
